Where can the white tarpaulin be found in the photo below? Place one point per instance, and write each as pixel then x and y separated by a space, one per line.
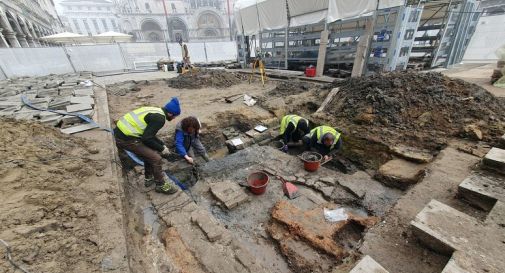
pixel 272 14
pixel 256 15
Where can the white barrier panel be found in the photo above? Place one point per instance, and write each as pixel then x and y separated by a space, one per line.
pixel 97 58
pixel 221 51
pixel 488 37
pixel 16 62
pixel 136 54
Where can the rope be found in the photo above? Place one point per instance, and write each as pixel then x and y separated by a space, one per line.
pixel 9 257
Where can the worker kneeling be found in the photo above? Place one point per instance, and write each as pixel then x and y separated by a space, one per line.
pixel 136 132
pixel 292 130
pixel 187 140
pixel 323 139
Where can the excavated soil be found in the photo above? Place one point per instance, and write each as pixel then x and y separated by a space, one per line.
pixel 418 109
pixel 47 211
pixel 205 78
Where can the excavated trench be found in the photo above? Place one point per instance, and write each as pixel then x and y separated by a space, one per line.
pixel 280 243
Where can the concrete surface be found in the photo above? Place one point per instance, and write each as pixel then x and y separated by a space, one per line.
pixel 474 246
pixel 368 265
pixel 483 190
pixel 495 159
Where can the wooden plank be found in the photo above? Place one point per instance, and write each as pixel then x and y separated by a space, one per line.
pixel 328 99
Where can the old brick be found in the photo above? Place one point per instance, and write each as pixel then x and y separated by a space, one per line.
pixel 209 227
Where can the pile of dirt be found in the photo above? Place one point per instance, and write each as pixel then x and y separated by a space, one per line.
pixel 287 88
pixel 205 78
pixel 47 212
pixel 416 109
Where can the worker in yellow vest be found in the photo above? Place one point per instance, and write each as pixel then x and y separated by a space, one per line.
pixel 292 129
pixel 136 132
pixel 324 140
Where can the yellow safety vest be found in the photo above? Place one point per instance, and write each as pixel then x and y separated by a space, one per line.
pixel 286 120
pixel 133 123
pixel 323 130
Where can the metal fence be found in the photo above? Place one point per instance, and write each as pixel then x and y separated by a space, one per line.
pixel 18 62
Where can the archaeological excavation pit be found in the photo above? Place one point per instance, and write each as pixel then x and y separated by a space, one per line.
pixel 392 163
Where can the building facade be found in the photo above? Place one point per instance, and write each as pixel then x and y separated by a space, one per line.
pixel 191 20
pixel 24 22
pixel 89 17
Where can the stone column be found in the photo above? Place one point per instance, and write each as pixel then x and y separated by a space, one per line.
pixel 3 42
pixel 22 40
pixel 29 37
pixel 9 34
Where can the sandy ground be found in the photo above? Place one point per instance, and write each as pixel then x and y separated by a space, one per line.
pixel 479 74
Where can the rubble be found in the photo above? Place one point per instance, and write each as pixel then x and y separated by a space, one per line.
pixel 420 110
pixel 205 78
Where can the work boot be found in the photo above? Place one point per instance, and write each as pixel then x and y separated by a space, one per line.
pixel 166 188
pixel 148 182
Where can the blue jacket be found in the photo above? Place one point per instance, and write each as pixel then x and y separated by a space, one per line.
pixel 184 142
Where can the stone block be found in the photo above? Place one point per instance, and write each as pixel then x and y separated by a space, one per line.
pixel 84 92
pixel 8 104
pixel 328 180
pixel 229 193
pixel 502 140
pixel 495 160
pixel 483 190
pixel 42 226
pixel 82 100
pixel 78 107
pixel 400 173
pixel 368 265
pixel 412 154
pixel 79 128
pixel 210 228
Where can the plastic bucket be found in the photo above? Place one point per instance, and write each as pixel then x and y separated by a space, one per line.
pixel 258 182
pixel 311 161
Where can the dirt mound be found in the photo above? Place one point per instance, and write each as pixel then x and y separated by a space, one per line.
pixel 417 109
pixel 205 78
pixel 47 213
pixel 286 88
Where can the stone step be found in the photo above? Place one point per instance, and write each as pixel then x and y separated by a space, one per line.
pixel 368 265
pixel 495 160
pixel 483 190
pixel 474 246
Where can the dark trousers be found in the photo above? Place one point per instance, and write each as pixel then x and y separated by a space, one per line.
pixel 151 158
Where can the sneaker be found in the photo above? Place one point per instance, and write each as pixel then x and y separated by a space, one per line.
pixel 166 188
pixel 148 182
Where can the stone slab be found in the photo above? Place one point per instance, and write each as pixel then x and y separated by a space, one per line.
pixel 483 190
pixel 79 128
pixel 208 225
pixel 400 173
pixel 82 100
pixel 502 139
pixel 412 154
pixel 368 265
pixel 495 160
pixel 78 107
pixel 84 92
pixel 474 246
pixel 229 193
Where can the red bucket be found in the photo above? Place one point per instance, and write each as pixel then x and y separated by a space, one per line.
pixel 311 161
pixel 258 182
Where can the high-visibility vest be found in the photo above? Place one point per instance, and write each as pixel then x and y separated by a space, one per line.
pixel 286 120
pixel 323 130
pixel 133 123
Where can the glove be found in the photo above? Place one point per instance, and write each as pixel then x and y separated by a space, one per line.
pixel 206 157
pixel 284 148
pixel 165 152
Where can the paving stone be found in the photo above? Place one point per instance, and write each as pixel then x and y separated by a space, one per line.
pixel 83 92
pixel 495 160
pixel 7 104
pixel 78 107
pixel 327 191
pixel 290 178
pixel 451 232
pixel 229 193
pixel 413 154
pixel 208 225
pixel 483 190
pixel 82 100
pixel 400 173
pixel 79 128
pixel 368 265
pixel 328 180
pixel 311 181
